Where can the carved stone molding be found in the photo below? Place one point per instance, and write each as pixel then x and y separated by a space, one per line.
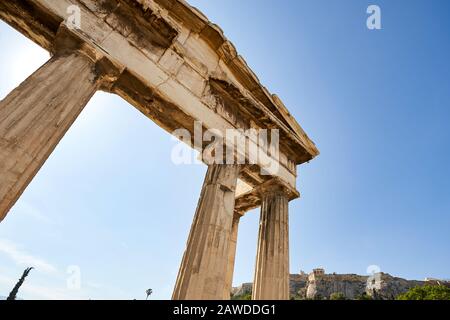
pixel 252 199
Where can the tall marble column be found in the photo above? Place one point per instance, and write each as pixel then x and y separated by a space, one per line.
pixel 272 262
pixel 36 115
pixel 203 269
pixel 231 256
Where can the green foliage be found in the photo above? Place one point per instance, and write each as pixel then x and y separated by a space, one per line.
pixel 338 296
pixel 247 296
pixel 426 292
pixel 363 296
pixel 300 297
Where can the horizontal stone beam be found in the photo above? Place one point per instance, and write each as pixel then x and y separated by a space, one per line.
pixel 166 78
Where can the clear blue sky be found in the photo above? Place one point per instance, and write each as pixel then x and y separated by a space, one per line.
pixel 377 104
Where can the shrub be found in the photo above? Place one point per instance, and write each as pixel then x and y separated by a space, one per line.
pixel 426 292
pixel 363 296
pixel 338 296
pixel 247 296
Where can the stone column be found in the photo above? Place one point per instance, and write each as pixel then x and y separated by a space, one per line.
pixel 36 115
pixel 272 262
pixel 231 256
pixel 203 269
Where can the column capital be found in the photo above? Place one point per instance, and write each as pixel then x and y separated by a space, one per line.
pixel 239 213
pixel 252 199
pixel 69 40
pixel 224 175
pixel 277 186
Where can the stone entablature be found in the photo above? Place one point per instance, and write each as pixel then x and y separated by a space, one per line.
pixel 166 59
pixel 176 67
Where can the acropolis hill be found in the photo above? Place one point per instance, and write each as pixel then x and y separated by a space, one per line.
pixel 320 285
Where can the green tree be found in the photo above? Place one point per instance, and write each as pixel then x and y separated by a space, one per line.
pixel 426 292
pixel 338 296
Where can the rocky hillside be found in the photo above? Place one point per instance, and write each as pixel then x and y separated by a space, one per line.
pixel 319 285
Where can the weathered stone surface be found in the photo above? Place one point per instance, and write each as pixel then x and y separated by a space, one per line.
pixel 248 199
pixel 171 61
pixel 323 286
pixel 391 287
pixel 232 255
pixel 191 79
pixel 101 8
pixel 298 284
pixel 272 260
pixel 153 40
pixel 16 14
pixel 203 271
pixel 36 115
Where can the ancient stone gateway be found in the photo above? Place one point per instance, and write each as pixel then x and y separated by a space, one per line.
pixel 166 59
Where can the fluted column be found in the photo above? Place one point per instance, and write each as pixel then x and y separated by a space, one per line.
pixel 231 256
pixel 272 262
pixel 203 269
pixel 36 115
